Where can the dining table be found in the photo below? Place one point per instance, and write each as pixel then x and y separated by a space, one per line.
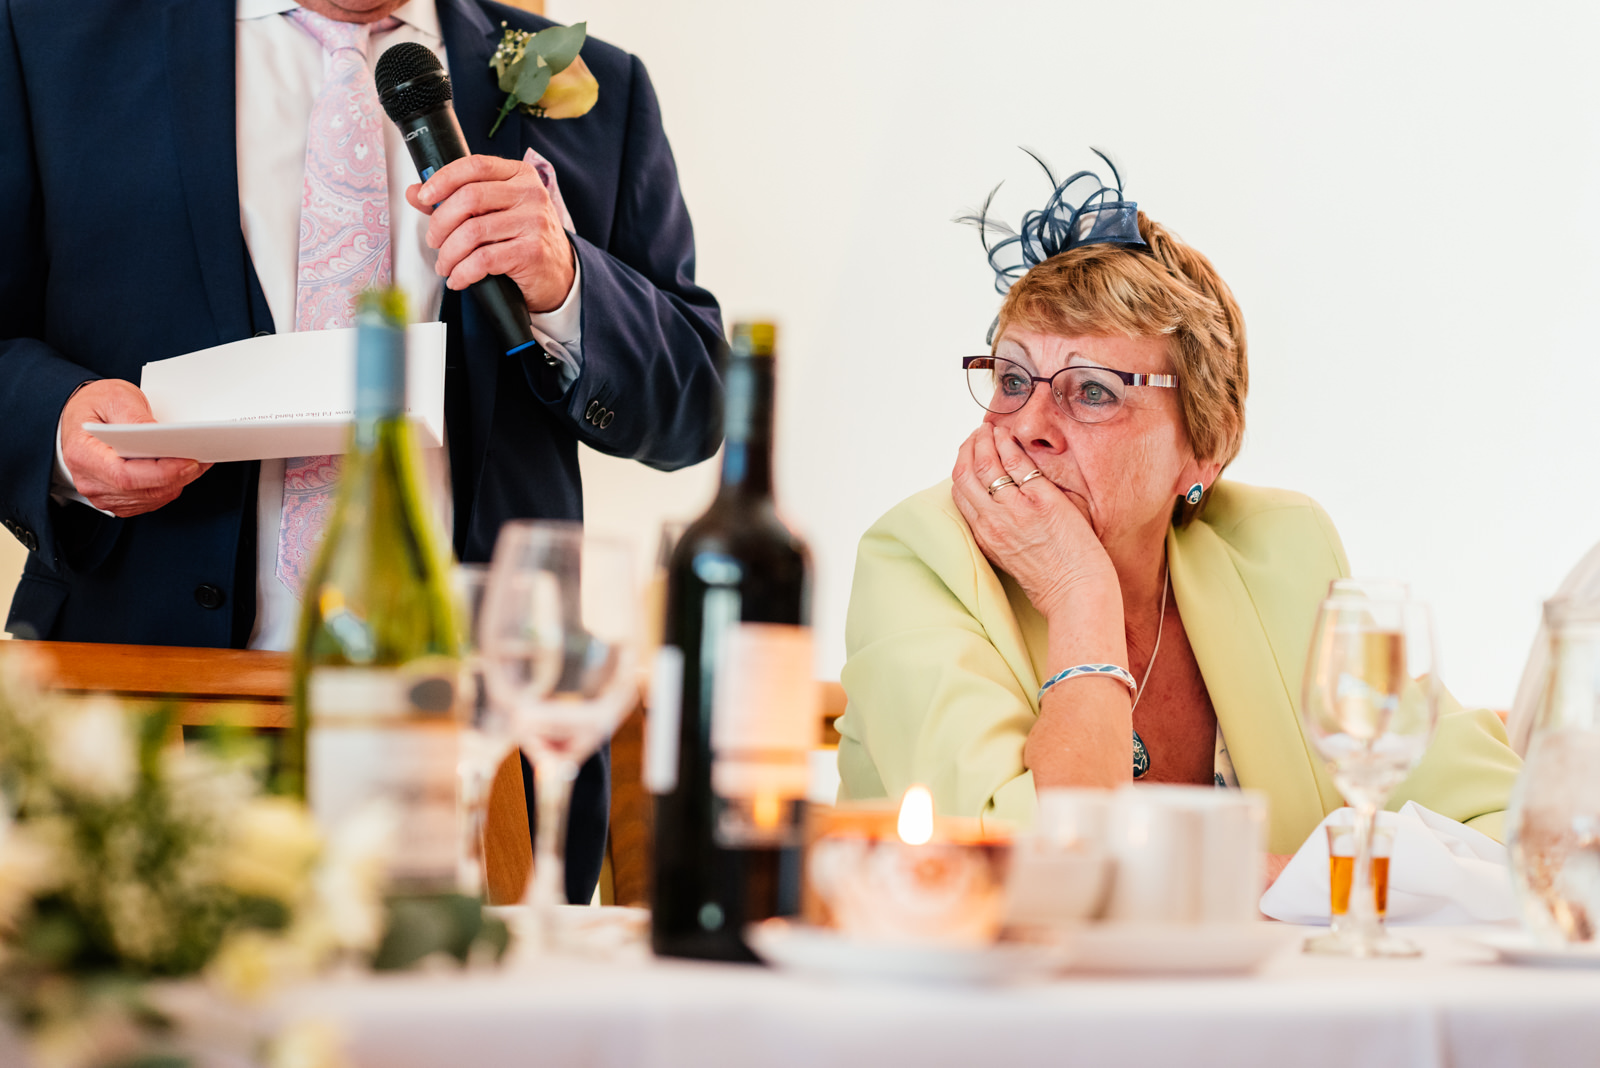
pixel 1452 1007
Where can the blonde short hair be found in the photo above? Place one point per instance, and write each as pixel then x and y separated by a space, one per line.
pixel 1171 291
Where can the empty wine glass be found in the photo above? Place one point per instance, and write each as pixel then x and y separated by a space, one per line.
pixel 485 730
pixel 1369 705
pixel 557 641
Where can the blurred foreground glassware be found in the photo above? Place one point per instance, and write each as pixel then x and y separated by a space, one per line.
pixel 1555 809
pixel 557 642
pixel 1369 705
pixel 485 731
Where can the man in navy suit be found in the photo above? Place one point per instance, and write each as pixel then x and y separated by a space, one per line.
pixel 122 244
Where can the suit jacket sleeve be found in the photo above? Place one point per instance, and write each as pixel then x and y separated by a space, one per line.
pixel 938 675
pixel 35 379
pixel 650 334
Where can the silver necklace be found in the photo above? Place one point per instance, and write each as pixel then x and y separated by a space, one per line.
pixel 1141 755
pixel 1161 622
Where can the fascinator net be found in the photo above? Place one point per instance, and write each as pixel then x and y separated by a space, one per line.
pixel 1082 210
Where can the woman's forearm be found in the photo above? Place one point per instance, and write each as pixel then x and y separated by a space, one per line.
pixel 1084 733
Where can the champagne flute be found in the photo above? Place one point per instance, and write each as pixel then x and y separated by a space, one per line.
pixel 557 640
pixel 1369 705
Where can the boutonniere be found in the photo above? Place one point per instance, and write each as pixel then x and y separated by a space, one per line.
pixel 543 74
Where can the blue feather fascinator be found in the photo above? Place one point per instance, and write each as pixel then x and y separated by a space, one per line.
pixel 1082 210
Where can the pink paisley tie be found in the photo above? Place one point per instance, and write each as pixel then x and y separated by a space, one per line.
pixel 344 248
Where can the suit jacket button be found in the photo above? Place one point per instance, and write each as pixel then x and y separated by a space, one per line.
pixel 262 333
pixel 594 406
pixel 605 420
pixel 209 596
pixel 29 542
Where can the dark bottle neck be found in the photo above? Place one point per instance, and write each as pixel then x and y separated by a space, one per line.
pixel 747 429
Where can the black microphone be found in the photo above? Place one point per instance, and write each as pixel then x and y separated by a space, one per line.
pixel 415 92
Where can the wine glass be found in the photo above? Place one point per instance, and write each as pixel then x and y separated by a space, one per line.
pixel 557 640
pixel 485 730
pixel 1369 705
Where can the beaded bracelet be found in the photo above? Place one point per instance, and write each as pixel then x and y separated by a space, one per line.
pixel 1118 673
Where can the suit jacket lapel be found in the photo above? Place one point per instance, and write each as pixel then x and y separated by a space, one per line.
pixel 1247 684
pixel 200 73
pixel 469 40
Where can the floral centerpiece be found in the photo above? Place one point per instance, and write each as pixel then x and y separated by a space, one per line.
pixel 126 858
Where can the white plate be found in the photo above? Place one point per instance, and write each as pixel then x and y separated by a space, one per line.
pixel 821 951
pixel 1171 949
pixel 1518 947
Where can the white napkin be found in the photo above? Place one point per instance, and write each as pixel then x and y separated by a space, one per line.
pixel 1440 872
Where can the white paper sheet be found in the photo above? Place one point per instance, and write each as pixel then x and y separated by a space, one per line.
pixel 269 397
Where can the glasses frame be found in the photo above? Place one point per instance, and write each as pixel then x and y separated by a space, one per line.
pixel 1129 378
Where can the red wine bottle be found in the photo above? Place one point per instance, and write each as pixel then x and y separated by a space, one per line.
pixel 734 704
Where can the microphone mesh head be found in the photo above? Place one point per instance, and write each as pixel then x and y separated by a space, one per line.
pixel 410 80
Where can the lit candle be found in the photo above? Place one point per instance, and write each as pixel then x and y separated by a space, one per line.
pixel 916 816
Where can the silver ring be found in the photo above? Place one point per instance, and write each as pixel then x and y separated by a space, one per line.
pixel 1001 483
pixel 1035 473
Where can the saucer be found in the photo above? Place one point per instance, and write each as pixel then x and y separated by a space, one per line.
pixel 1176 949
pixel 823 951
pixel 1518 947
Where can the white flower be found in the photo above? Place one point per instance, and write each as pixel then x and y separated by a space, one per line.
pixel 28 864
pixel 141 926
pixel 270 844
pixel 251 964
pixel 91 749
pixel 309 1044
pixel 350 879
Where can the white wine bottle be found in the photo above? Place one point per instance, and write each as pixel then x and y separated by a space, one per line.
pixel 376 662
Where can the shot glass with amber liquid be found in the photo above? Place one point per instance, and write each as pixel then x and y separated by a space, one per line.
pixel 1341 876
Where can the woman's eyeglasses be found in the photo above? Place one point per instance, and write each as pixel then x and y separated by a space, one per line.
pixel 1087 394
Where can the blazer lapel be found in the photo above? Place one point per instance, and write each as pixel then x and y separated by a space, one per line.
pixel 200 74
pixel 469 40
pixel 1249 686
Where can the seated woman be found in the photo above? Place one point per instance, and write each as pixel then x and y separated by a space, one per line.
pixel 1084 524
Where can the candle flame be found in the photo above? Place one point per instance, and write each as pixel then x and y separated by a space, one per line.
pixel 916 816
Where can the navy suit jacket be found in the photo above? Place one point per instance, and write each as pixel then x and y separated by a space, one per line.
pixel 121 243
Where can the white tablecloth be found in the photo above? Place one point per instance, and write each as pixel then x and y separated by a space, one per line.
pixel 1453 1007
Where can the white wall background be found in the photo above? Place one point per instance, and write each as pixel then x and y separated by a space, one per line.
pixel 1403 196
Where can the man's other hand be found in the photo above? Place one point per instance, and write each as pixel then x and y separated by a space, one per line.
pixel 110 483
pixel 494 216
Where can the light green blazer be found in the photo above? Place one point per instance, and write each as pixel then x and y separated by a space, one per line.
pixel 946 657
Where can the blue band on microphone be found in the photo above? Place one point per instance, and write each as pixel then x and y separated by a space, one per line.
pixel 519 348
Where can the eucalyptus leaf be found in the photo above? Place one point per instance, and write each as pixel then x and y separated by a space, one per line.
pixel 559 45
pixel 508 77
pixel 533 77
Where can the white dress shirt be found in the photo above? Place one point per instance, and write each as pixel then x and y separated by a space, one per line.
pixel 280 71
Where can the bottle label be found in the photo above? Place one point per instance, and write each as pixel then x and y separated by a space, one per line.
pixel 663 723
pixel 765 712
pixel 387 734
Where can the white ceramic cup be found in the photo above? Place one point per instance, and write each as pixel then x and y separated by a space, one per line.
pixel 1186 854
pixel 1059 870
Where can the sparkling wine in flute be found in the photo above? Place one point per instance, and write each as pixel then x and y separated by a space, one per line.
pixel 1369 705
pixel 734 704
pixel 376 665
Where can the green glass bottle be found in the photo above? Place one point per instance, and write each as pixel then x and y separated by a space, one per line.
pixel 376 661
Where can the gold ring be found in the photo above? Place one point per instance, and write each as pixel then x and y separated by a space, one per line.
pixel 1001 483
pixel 1035 473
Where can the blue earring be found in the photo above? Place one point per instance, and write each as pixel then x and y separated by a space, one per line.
pixel 1196 491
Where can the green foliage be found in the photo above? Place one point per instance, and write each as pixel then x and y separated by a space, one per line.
pixel 420 926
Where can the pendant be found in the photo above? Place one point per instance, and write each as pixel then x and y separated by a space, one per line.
pixel 1141 757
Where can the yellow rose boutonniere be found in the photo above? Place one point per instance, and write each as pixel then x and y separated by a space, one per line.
pixel 543 73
